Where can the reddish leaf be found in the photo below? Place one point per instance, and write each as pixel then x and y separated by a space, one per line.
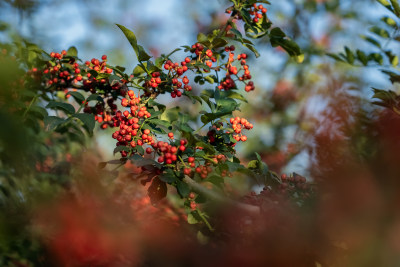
pixel 157 190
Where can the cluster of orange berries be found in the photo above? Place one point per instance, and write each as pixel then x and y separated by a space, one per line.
pixel 103 115
pixel 238 124
pixel 58 75
pixel 129 124
pixel 228 83
pixel 178 82
pixel 168 153
pixel 198 49
pixel 192 204
pixel 257 12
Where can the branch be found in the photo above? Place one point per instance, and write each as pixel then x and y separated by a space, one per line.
pixel 253 210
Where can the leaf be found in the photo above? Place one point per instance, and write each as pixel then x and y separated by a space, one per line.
pixel 379 31
pixel 101 165
pixel 121 148
pixel 389 21
pixel 77 96
pixel 201 37
pixel 139 50
pixel 38 111
pixel 87 120
pixel 95 97
pixel 168 176
pixel 233 94
pixel 396 7
pixel 252 49
pixel 193 218
pixel 158 122
pixel 138 70
pixel 394 77
pixel 142 56
pixel 335 57
pixel 72 51
pixel 216 180
pixel 51 122
pixel 68 108
pixel 140 161
pixel 371 40
pixel 349 55
pixel 183 188
pixel 157 190
pixel 362 57
pixel 277 33
pixel 131 37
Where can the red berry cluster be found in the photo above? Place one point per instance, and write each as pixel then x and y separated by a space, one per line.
pixel 56 74
pixel 191 198
pixel 257 12
pixel 228 83
pixel 176 70
pixel 103 113
pixel 238 124
pixel 207 55
pixel 131 123
pixel 168 153
pixel 204 170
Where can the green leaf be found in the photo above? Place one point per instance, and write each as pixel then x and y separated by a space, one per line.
pixel 362 57
pixel 394 77
pixel 87 120
pixel 72 51
pixel 210 78
pixel 379 31
pixel 142 56
pixel 277 33
pixel 168 176
pixel 193 218
pixel 77 96
pixel 95 97
pixel 38 111
pixel 349 55
pixel 201 37
pixel 395 61
pixel 121 148
pixel 183 188
pixel 396 7
pixel 371 40
pixel 389 21
pixel 51 122
pixel 252 49
pixel 139 50
pixel 216 180
pixel 131 38
pixel 67 108
pixel 233 94
pixel 158 122
pixel 376 57
pixel 138 70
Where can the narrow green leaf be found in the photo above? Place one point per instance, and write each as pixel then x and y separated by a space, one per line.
pixel 183 188
pixel 87 120
pixel 51 122
pixel 396 7
pixel 379 31
pixel 131 37
pixel 68 108
pixel 77 96
pixel 72 51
